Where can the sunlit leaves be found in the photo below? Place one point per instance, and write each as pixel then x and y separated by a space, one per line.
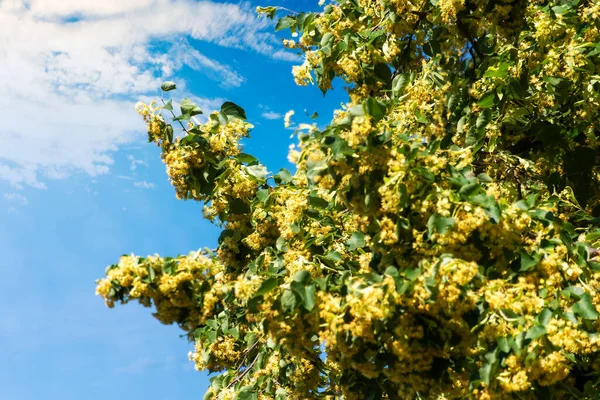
pixel 447 217
pixel 233 110
pixel 167 86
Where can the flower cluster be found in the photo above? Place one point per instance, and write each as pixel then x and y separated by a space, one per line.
pixel 438 239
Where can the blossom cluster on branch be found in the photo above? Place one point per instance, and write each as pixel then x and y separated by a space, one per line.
pixel 438 239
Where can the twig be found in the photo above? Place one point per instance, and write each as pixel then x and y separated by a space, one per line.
pixel 241 376
pixel 244 359
pixel 286 9
pixel 421 15
pixel 174 116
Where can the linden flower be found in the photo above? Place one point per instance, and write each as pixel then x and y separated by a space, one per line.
pixel 301 74
pixel 287 120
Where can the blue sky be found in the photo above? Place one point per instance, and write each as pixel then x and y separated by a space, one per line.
pixel 79 186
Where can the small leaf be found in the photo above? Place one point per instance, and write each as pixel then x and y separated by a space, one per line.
pixel 263 195
pixel 285 22
pixel 399 84
pixel 501 71
pixel 302 276
pixel 233 110
pixel 439 224
pixel 333 256
pixel 487 100
pixel 383 72
pixel 529 261
pixel 483 119
pixel 545 316
pixel 168 105
pixel 267 285
pixel 412 274
pixel 288 300
pixel 309 300
pixel 374 108
pixel 268 11
pixel 460 126
pixel 535 332
pixel 246 158
pixel 283 176
pixel 317 202
pixel 168 86
pixel 356 241
pixel 258 171
pixel 189 109
pixel 585 308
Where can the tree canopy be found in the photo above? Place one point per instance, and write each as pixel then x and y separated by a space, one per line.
pixel 438 239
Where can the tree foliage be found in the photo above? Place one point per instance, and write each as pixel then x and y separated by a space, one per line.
pixel 437 240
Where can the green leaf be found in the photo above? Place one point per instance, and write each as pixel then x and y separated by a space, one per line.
pixel 284 23
pixel 302 276
pixel 485 372
pixel 316 201
pixel 460 126
pixel 168 86
pixel 246 158
pixel 268 11
pixel 247 393
pixel 500 71
pixel 168 105
pixel 535 332
pixel 333 256
pixel 283 176
pixel 399 84
pixel 420 117
pixel 487 100
pixel 374 108
pixel 288 300
pixel 529 261
pixel 383 72
pixel 188 108
pixel 280 244
pixel 258 171
pixel 169 131
pixel 309 300
pixel 266 286
pixel 306 294
pixel 412 274
pixel 327 39
pixel 151 274
pixel 574 291
pixel 439 224
pixel 356 241
pixel 263 195
pixel 483 119
pixel 545 316
pixel 503 344
pixel 233 110
pixel 585 308
pixel 208 395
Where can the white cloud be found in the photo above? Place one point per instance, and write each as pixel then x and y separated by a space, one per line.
pixel 271 115
pixel 144 185
pixel 18 198
pixel 135 162
pixel 71 71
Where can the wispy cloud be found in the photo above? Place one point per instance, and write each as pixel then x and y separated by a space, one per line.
pixel 17 198
pixel 135 162
pixel 144 185
pixel 267 113
pixel 75 68
pixel 271 115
